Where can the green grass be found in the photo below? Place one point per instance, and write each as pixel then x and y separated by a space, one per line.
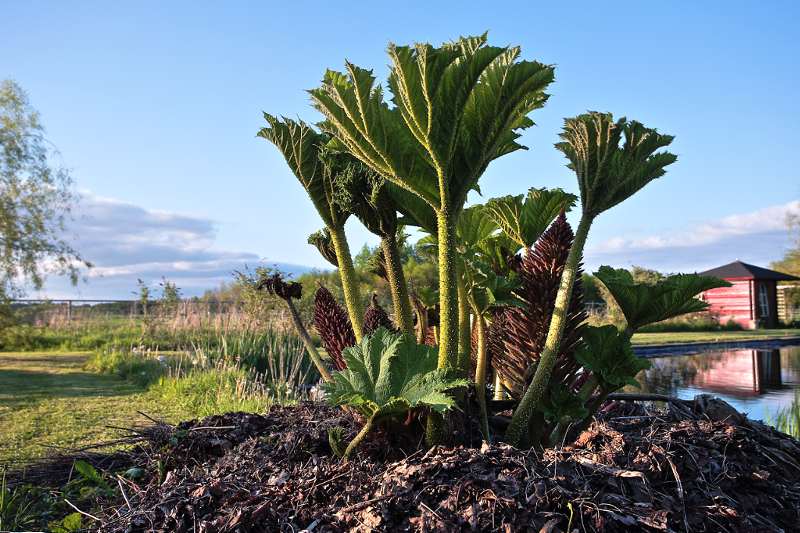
pixel 210 391
pixel 712 336
pixel 788 418
pixel 49 399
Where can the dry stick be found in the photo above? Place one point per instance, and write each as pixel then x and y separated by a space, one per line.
pixel 84 513
pixel 641 397
pixel 361 505
pixel 202 428
pixel 609 470
pixel 680 491
pixel 153 420
pixel 122 490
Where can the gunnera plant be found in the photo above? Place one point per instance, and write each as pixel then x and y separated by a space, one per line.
pixel 612 161
pixel 376 317
pixel 525 329
pixel 454 109
pixel 388 375
pixel 333 326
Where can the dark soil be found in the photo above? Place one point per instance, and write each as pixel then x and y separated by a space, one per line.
pixel 630 471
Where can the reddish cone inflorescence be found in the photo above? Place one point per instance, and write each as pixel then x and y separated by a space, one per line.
pixel 276 285
pixel 333 326
pixel 375 317
pixel 518 335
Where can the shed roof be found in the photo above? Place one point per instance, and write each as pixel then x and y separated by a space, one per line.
pixel 741 270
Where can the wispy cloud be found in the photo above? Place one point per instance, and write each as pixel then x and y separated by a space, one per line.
pixel 759 236
pixel 125 241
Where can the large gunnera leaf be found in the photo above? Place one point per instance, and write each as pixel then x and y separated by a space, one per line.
pixel 608 354
pixel 388 374
pixel 644 303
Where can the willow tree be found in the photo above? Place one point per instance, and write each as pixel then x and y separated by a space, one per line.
pixel 612 161
pixel 36 200
pixel 455 108
pixel 316 168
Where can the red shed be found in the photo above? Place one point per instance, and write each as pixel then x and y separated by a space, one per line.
pixel 751 301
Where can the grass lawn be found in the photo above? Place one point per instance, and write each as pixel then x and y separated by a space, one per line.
pixel 47 399
pixel 712 336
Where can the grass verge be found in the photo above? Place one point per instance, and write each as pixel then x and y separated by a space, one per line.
pixel 711 336
pixel 50 400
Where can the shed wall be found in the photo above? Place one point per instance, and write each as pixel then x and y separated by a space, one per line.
pixel 734 303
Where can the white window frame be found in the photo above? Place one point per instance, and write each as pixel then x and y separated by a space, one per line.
pixel 763 300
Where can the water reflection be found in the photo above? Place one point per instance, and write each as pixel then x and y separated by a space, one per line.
pixel 758 382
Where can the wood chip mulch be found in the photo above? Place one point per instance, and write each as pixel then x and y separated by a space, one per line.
pixel 628 472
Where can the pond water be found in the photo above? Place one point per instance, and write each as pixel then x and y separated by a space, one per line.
pixel 759 382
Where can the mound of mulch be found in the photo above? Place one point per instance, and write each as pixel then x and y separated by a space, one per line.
pixel 632 470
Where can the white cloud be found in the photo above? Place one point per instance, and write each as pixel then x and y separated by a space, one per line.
pixel 125 242
pixel 758 237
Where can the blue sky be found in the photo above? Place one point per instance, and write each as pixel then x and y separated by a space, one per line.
pixel 155 106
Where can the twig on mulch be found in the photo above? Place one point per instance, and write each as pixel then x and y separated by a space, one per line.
pixel 84 513
pixel 609 470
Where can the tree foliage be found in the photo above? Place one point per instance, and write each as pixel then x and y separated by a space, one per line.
pixel 36 198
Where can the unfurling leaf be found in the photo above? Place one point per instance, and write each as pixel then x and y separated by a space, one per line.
pixel 335 438
pixel 323 242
